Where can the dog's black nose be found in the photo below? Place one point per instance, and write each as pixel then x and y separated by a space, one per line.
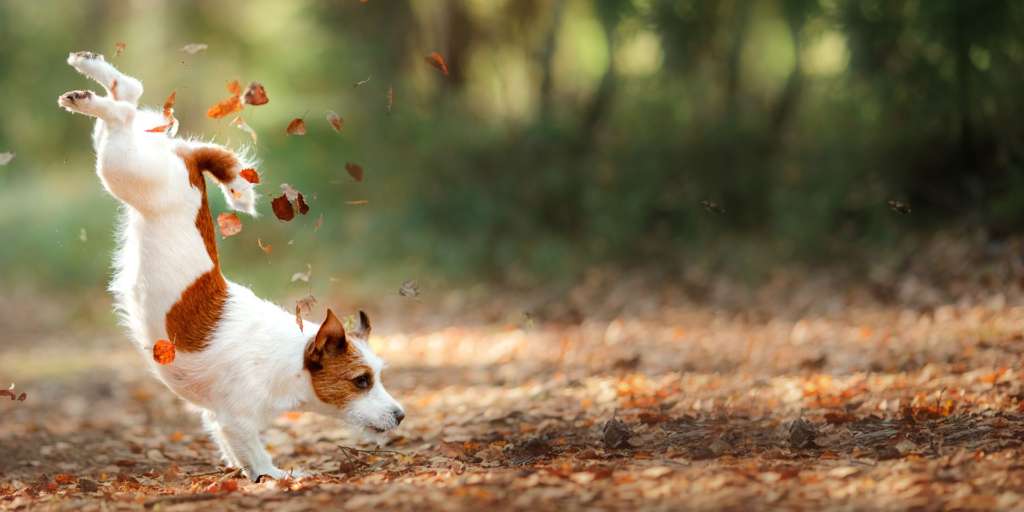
pixel 399 416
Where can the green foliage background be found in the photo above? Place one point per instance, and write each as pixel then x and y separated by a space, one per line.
pixel 570 133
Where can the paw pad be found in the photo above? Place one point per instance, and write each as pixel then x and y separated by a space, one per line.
pixel 87 55
pixel 76 96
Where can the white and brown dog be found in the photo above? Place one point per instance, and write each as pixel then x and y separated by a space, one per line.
pixel 241 359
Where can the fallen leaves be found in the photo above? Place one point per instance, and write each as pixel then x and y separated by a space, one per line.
pixel 163 352
pixel 229 105
pixel 354 170
pixel 229 224
pixel 171 125
pixel 335 120
pixel 802 434
pixel 256 94
pixel 616 434
pixel 10 392
pixel 193 48
pixel 435 59
pixel 296 127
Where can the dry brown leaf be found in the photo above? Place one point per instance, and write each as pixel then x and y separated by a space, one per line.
pixel 256 94
pixel 435 59
pixel 300 204
pixel 409 289
pixel 336 121
pixel 298 318
pixel 306 303
pixel 283 209
pixel 303 276
pixel 171 125
pixel 354 170
pixel 296 127
pixel 119 48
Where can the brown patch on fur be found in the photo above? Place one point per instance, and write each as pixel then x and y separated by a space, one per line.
pixel 191 321
pixel 333 362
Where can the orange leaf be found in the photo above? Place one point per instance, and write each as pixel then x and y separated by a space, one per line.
pixel 227 106
pixel 250 175
pixel 119 48
pixel 171 126
pixel 296 127
pixel 336 121
pixel 163 352
pixel 301 204
pixel 435 59
pixel 256 94
pixel 229 224
pixel 298 318
pixel 354 170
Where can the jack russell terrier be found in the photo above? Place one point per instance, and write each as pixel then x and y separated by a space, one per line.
pixel 240 359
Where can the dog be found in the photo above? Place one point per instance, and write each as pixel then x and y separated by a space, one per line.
pixel 241 360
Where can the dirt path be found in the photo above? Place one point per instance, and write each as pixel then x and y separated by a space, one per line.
pixel 658 405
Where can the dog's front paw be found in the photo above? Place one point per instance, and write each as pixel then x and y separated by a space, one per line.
pixel 90 64
pixel 77 58
pixel 75 101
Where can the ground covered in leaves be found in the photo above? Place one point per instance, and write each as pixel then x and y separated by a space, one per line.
pixel 620 392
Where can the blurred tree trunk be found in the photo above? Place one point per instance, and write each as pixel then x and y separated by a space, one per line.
pixel 461 32
pixel 741 20
pixel 547 58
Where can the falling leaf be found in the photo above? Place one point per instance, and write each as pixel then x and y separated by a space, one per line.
pixel 357 202
pixel 250 175
pixel 265 248
pixel 303 276
pixel 899 206
pixel 289 192
pixel 283 209
pixel 229 224
pixel 193 48
pixel 5 158
pixel 240 123
pixel 171 125
pixel 712 206
pixel 306 303
pixel 616 434
pixel 435 59
pixel 391 97
pixel 119 48
pixel 409 289
pixel 298 318
pixel 336 121
pixel 256 94
pixel 362 82
pixel 229 105
pixel 296 127
pixel 163 352
pixel 10 392
pixel 300 203
pixel 354 170
pixel 319 222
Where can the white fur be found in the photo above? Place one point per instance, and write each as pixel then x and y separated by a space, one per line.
pixel 252 369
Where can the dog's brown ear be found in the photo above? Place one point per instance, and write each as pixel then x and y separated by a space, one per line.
pixel 362 328
pixel 331 332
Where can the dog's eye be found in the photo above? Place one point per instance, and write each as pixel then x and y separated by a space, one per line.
pixel 362 381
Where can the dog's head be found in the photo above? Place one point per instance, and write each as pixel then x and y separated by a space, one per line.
pixel 346 376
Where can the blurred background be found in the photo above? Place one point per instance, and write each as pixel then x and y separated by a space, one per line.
pixel 694 138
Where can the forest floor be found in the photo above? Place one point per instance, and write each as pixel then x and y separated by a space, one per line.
pixel 615 394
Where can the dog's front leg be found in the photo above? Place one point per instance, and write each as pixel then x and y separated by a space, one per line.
pixel 243 440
